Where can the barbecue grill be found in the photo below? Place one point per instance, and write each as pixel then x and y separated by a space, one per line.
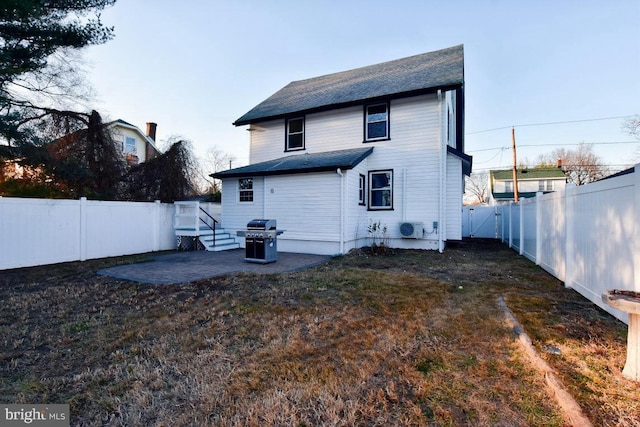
pixel 261 241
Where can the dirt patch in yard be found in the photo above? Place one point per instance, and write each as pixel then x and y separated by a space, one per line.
pixel 413 338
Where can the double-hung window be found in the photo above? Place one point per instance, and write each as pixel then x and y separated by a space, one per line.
pixel 129 145
pixel 295 134
pixel 508 186
pixel 381 190
pixel 245 189
pixel 545 185
pixel 376 118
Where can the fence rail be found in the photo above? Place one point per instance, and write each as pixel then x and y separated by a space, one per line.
pixel 45 231
pixel 587 236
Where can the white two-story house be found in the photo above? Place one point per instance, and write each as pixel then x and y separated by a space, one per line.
pixel 331 155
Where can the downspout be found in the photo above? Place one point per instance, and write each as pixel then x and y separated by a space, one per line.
pixel 404 195
pixel 442 180
pixel 339 172
pixel 264 197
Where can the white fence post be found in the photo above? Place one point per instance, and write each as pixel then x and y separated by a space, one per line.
pixel 511 207
pixel 156 225
pixel 521 243
pixel 502 223
pixel 569 215
pixel 538 226
pixel 83 229
pixel 636 246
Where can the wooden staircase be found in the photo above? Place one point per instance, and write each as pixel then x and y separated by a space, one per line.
pixel 195 228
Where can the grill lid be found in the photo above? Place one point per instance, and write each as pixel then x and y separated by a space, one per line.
pixel 261 224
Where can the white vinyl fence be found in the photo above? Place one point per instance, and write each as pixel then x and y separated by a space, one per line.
pixel 587 236
pixel 46 231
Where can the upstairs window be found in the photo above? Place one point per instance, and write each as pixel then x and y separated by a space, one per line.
pixel 245 188
pixel 129 145
pixel 545 185
pixel 381 190
pixel 295 134
pixel 376 126
pixel 508 186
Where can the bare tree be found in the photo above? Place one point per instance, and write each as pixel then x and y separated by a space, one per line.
pixel 581 165
pixel 214 161
pixel 476 188
pixel 632 127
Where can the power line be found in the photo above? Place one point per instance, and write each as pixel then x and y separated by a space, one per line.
pixel 613 166
pixel 558 145
pixel 491 159
pixel 550 123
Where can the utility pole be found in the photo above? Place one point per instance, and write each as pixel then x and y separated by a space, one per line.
pixel 515 165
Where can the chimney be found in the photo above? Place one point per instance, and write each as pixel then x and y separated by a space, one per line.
pixel 151 130
pixel 559 163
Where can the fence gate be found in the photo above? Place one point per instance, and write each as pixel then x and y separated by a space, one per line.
pixel 480 221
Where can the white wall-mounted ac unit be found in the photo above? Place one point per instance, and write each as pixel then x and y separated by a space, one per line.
pixel 412 230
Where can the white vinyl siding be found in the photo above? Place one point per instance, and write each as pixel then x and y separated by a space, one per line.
pixel 307 206
pixel 131 141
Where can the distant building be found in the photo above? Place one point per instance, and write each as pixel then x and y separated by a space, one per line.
pixel 135 145
pixel 530 181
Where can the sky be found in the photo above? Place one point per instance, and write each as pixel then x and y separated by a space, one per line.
pixel 195 66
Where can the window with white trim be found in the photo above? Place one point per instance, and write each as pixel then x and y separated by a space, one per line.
pixel 381 190
pixel 245 189
pixel 362 190
pixel 295 134
pixel 508 186
pixel 376 126
pixel 129 146
pixel 545 185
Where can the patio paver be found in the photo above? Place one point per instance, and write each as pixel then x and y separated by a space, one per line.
pixel 183 267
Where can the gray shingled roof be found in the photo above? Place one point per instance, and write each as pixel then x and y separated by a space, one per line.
pixel 402 77
pixel 301 163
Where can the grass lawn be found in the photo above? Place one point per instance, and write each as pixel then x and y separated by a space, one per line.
pixel 413 338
